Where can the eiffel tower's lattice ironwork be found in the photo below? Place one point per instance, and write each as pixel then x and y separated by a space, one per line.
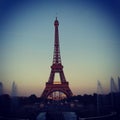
pixel 57 67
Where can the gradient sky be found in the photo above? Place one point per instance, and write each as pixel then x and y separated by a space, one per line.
pixel 89 32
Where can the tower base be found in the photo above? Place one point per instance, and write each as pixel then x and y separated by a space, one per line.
pixel 50 88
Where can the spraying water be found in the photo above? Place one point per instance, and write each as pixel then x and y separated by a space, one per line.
pixel 113 90
pixel 1 88
pixel 99 93
pixel 14 98
pixel 14 90
pixel 119 83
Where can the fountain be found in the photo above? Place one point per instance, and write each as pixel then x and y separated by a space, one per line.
pixel 99 95
pixel 113 86
pixel 113 91
pixel 14 98
pixel 1 88
pixel 119 83
pixel 14 90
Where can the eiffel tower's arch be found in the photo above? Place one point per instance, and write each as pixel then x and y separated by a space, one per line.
pixel 50 88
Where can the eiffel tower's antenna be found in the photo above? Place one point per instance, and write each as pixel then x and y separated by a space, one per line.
pixel 56 14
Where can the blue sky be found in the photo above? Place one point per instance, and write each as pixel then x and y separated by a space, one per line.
pixel 89 32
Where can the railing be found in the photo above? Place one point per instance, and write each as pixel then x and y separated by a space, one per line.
pixel 100 117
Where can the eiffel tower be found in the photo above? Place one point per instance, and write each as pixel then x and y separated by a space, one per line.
pixel 57 67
